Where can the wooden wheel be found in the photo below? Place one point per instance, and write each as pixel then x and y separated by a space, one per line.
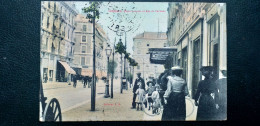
pixel 52 111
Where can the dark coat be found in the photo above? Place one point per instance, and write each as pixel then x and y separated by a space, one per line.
pixel 222 87
pixel 136 86
pixel 207 103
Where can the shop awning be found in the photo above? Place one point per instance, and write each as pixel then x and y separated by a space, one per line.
pixel 86 72
pixel 98 74
pixel 104 74
pixel 67 67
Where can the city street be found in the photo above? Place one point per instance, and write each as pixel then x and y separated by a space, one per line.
pixel 75 104
pixel 70 97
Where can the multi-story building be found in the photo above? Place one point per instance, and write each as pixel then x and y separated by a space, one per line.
pixel 142 43
pixel 199 32
pixel 57 40
pixel 83 56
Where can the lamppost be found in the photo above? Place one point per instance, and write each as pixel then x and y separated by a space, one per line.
pixel 108 53
pixel 113 70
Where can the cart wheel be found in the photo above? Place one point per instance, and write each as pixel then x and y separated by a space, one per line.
pixel 52 111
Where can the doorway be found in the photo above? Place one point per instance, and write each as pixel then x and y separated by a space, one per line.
pixel 196 66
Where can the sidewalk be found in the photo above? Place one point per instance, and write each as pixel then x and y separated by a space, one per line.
pixel 55 85
pixel 107 109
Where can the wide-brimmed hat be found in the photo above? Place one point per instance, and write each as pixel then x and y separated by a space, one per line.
pixel 207 68
pixel 176 68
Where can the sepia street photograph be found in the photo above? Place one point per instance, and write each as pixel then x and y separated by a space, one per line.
pixel 133 61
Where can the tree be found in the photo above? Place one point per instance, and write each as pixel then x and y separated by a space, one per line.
pixel 110 67
pixel 120 48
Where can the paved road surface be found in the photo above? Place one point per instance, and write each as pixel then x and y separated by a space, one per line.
pixel 70 97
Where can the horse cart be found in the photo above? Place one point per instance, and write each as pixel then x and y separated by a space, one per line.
pixel 51 110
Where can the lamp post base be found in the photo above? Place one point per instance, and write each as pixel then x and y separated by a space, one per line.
pixel 107 92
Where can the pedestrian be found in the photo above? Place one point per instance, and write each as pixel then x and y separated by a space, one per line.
pixel 174 96
pixel 156 100
pixel 138 81
pixel 222 92
pixel 163 83
pixel 85 80
pixel 89 82
pixel 74 81
pixel 149 91
pixel 206 96
pixel 140 97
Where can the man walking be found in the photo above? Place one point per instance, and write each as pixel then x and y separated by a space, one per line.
pixel 138 81
pixel 85 80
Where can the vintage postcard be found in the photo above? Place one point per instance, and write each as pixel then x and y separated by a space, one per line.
pixel 133 61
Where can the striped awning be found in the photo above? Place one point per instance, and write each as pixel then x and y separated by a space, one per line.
pixel 104 74
pixel 98 74
pixel 67 67
pixel 86 72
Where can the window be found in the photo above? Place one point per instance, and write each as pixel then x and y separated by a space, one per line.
pixel 69 18
pixel 138 67
pixel 42 18
pixel 83 49
pixel 51 73
pixel 84 28
pixel 68 34
pixel 54 6
pixel 164 44
pixel 82 61
pixel 46 44
pixel 49 4
pixel 48 22
pixel 83 38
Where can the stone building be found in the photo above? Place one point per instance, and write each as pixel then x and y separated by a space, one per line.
pixel 57 40
pixel 199 32
pixel 141 45
pixel 83 56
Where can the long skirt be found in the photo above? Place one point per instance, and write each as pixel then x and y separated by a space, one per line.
pixel 206 108
pixel 175 109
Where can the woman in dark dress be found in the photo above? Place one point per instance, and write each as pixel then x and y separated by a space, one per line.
pixel 206 96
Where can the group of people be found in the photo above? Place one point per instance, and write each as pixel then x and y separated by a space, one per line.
pixel 141 95
pixel 171 89
pixel 85 80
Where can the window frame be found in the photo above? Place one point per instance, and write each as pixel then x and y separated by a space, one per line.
pixel 85 49
pixel 85 38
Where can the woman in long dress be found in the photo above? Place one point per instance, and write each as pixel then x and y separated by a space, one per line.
pixel 206 96
pixel 175 106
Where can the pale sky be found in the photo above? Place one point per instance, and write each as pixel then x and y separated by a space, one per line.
pixel 135 12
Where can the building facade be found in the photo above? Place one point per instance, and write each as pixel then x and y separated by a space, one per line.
pixel 57 40
pixel 199 32
pixel 141 45
pixel 83 56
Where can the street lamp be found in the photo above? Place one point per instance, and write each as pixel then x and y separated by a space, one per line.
pixel 108 53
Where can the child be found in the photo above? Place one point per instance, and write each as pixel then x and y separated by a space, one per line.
pixel 150 90
pixel 140 96
pixel 156 100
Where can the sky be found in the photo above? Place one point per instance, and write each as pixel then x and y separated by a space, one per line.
pixel 135 17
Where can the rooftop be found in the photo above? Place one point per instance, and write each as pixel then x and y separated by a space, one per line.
pixel 151 35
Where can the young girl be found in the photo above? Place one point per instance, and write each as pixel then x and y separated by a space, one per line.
pixel 140 96
pixel 150 90
pixel 156 100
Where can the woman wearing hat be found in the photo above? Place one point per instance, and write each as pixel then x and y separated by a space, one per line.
pixel 175 106
pixel 206 96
